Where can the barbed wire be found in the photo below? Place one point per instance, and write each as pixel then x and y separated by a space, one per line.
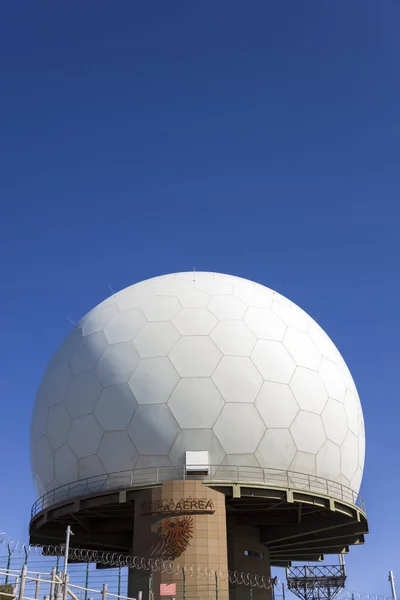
pixel 153 565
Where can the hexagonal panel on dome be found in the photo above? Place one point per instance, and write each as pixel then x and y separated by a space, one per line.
pixel 304 462
pixel 237 379
pixel 302 349
pixel 39 417
pixel 162 308
pixel 335 421
pixel 90 466
pixel 153 380
pixel 195 356
pixel 208 283
pixel 115 407
pixel 308 432
pixel 251 295
pixel 194 321
pixel 309 390
pixel 156 339
pixel 234 338
pixel 276 449
pixel 196 439
pixel 84 436
pixel 149 462
pixel 356 480
pixel 328 461
pixel 324 343
pixel 134 296
pixel 227 308
pixel 361 449
pixel 349 455
pixel 56 382
pixel 88 352
pixel 351 406
pixel 196 403
pixel 265 324
pixel 44 461
pixel 189 297
pixel 117 452
pixel 58 425
pixel 245 439
pixel 125 326
pixel 273 361
pixel 153 429
pixel 64 352
pixel 83 394
pixel 332 379
pixel 65 465
pixel 291 315
pixel 348 379
pixel 277 405
pixel 39 487
pixel 99 319
pixel 241 460
pixel 117 363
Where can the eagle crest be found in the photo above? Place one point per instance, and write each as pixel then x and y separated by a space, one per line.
pixel 176 534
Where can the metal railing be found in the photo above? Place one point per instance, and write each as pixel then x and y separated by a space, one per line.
pixel 214 473
pixel 29 585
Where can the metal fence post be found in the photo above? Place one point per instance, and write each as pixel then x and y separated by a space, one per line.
pixel 52 583
pixel 119 581
pixel 104 592
pixel 22 583
pixel 57 590
pixel 87 580
pixel 65 588
pixel 37 587
pixel 8 561
pixel 184 582
pixel 216 586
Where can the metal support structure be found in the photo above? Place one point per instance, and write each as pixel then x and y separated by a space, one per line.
pixel 391 579
pixel 216 587
pixel 8 561
pixel 87 580
pixel 184 582
pixel 151 586
pixel 119 581
pixel 104 592
pixel 52 583
pixel 37 587
pixel 22 583
pixel 67 539
pixel 65 587
pixel 322 582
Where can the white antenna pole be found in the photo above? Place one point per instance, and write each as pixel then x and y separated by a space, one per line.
pixel 391 579
pixel 67 538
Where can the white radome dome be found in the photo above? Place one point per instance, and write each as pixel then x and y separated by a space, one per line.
pixel 196 362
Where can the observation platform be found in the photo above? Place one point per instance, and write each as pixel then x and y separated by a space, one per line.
pixel 300 517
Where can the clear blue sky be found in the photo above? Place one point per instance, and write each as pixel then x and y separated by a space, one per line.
pixel 255 138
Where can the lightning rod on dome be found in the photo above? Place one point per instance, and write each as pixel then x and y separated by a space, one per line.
pixel 112 291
